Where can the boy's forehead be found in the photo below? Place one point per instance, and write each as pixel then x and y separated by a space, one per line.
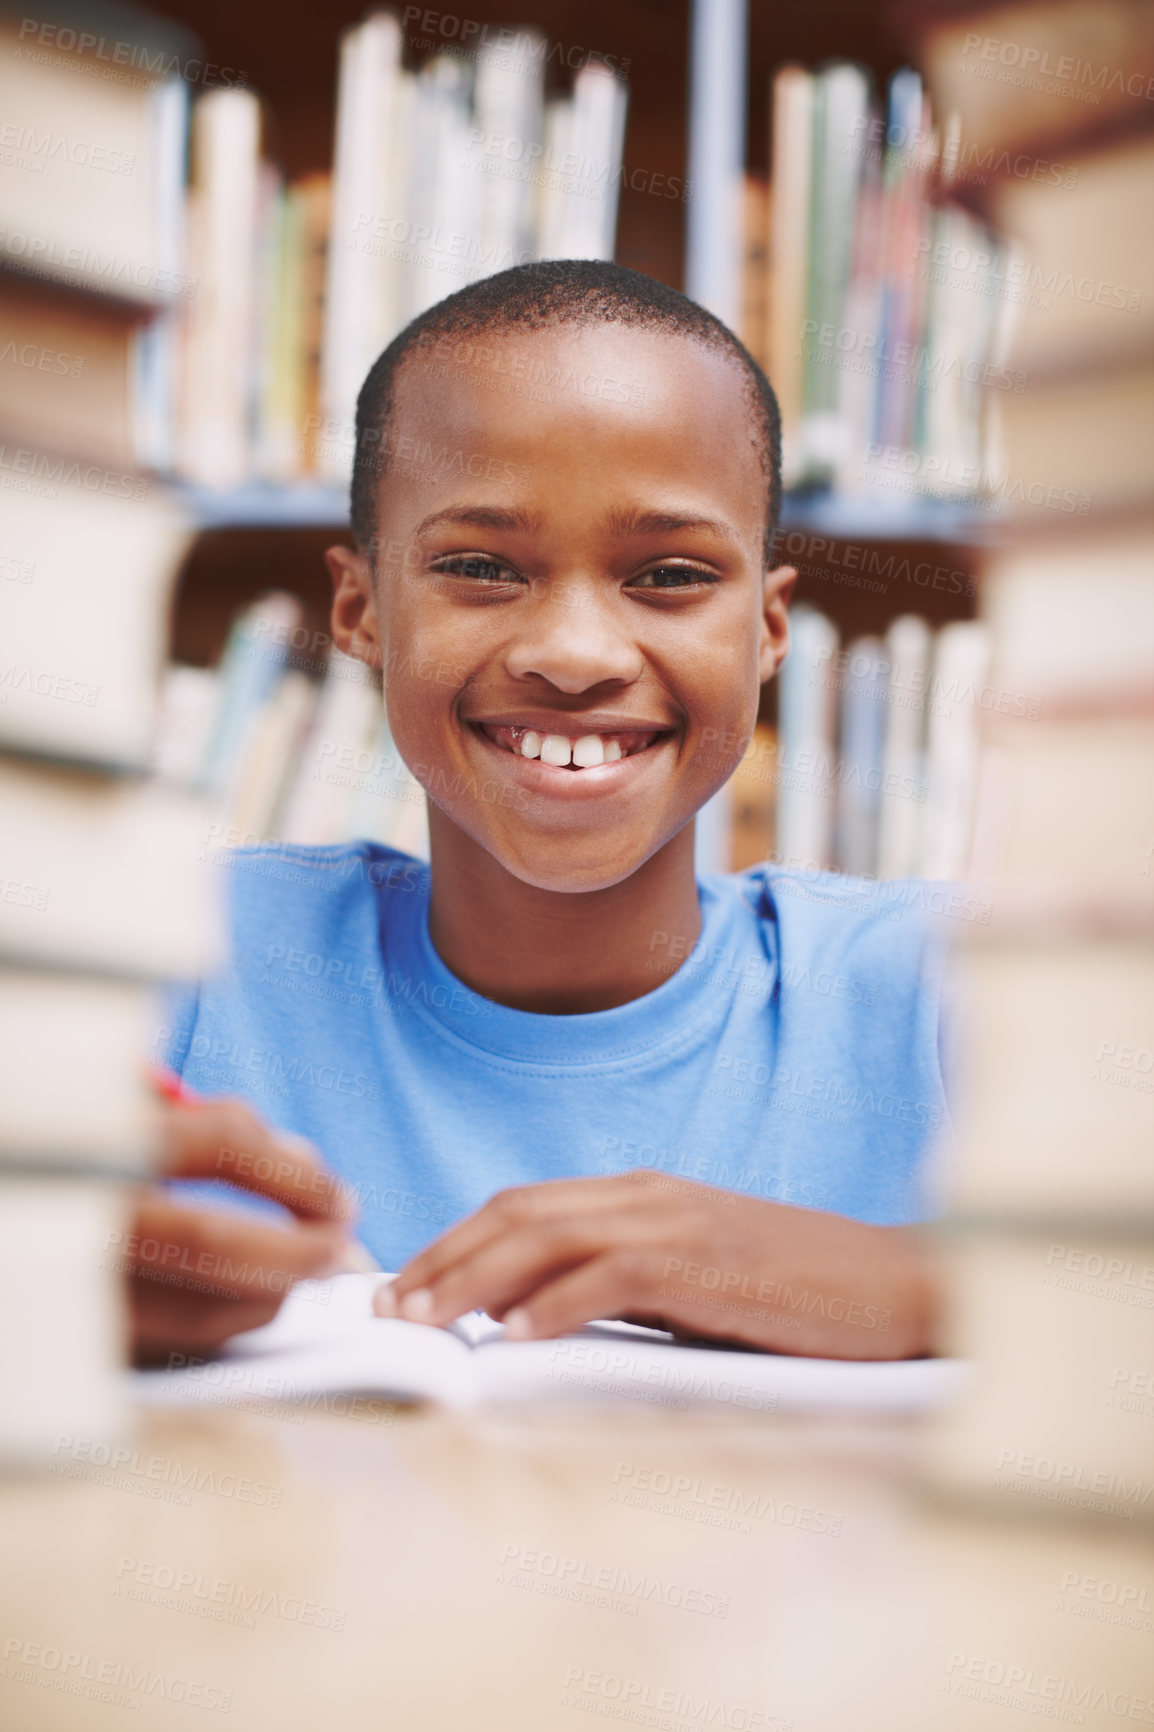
pixel 496 381
pixel 560 394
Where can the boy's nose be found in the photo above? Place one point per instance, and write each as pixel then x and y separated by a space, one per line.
pixel 575 641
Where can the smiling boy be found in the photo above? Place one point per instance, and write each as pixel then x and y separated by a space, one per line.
pixel 575 622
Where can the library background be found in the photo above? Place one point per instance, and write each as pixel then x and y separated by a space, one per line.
pixel 931 224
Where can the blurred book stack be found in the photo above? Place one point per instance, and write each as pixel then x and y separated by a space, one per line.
pixel 882 355
pixel 102 893
pixel 1050 1188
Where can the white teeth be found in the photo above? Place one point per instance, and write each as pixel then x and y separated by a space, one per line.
pixel 588 751
pixel 612 751
pixel 555 750
pixel 531 745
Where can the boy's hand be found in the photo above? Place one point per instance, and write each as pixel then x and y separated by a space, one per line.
pixel 686 1257
pixel 197 1276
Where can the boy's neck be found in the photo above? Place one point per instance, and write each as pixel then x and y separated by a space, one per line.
pixel 558 953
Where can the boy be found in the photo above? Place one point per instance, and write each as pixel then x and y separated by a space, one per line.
pixel 570 590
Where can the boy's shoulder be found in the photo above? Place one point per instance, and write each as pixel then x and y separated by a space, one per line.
pixel 890 935
pixel 294 886
pixel 835 901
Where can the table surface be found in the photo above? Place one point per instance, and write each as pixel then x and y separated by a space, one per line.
pixel 547 1571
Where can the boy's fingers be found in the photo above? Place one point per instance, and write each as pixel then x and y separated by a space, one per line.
pixel 217 1256
pixel 623 1280
pixel 225 1139
pixel 511 1266
pixel 534 1206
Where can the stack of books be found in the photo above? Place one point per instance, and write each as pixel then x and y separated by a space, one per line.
pixel 882 326
pixel 1050 1190
pixel 102 891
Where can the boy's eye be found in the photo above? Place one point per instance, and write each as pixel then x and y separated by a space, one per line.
pixel 672 577
pixel 477 566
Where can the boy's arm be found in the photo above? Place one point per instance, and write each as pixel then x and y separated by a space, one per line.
pixel 700 1261
pixel 197 1276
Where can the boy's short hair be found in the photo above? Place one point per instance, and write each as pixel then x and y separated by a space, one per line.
pixel 538 297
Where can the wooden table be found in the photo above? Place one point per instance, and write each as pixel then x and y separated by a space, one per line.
pixel 548 1572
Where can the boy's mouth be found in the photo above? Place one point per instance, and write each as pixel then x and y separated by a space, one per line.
pixel 571 751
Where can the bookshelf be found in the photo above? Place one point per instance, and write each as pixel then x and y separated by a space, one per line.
pixel 866 556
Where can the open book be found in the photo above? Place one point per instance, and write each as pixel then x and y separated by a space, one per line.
pixel 326 1341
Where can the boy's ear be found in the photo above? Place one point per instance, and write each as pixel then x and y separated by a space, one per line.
pixel 355 627
pixel 778 592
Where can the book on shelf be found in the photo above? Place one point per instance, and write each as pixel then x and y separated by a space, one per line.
pixel 92 173
pixel 274 298
pixel 876 354
pixel 287 749
pixel 878 747
pixel 446 175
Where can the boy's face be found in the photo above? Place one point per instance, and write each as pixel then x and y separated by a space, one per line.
pixel 582 561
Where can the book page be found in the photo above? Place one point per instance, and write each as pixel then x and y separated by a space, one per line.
pixel 327 1340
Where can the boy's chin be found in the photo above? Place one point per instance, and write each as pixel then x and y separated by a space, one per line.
pixel 570 871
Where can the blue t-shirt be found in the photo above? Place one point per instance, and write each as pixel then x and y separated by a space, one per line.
pixel 794 1054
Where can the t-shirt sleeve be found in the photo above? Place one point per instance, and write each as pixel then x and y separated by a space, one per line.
pixel 179 1009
